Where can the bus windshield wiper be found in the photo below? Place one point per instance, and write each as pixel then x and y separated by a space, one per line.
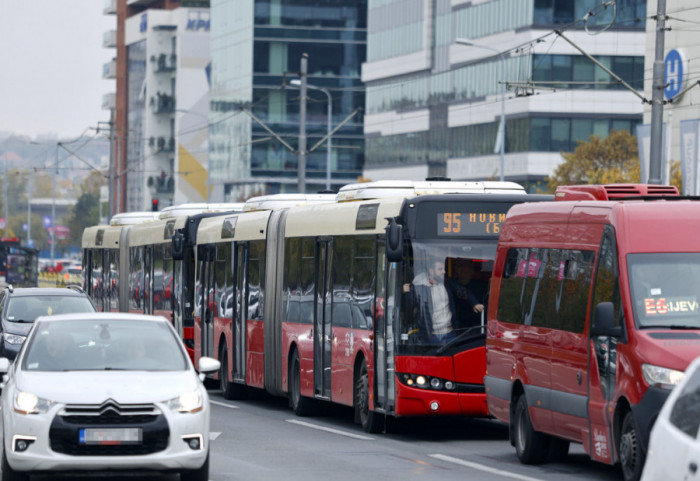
pixel 462 337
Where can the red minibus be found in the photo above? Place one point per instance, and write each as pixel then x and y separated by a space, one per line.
pixel 594 315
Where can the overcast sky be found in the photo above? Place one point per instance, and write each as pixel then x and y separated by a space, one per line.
pixel 51 59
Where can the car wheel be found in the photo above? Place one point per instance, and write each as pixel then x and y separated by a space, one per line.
pixel 631 455
pixel 301 405
pixel 201 474
pixel 9 474
pixel 370 421
pixel 531 446
pixel 231 390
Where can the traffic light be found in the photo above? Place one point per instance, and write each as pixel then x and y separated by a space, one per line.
pixel 154 205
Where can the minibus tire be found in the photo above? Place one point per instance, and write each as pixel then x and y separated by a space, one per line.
pixel 558 449
pixel 532 447
pixel 629 449
pixel 301 405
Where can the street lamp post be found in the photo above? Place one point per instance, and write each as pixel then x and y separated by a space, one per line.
pixel 329 113
pixel 502 125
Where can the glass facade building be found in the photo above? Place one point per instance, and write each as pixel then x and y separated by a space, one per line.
pixel 256 49
pixel 434 103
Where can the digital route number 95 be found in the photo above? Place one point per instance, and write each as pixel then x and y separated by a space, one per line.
pixel 469 223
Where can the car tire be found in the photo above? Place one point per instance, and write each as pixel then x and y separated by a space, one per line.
pixel 201 474
pixel 370 421
pixel 9 474
pixel 530 446
pixel 230 389
pixel 631 455
pixel 301 405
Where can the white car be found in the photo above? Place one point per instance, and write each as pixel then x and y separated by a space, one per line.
pixel 674 445
pixel 104 392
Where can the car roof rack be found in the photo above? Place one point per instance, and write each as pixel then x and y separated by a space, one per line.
pixel 76 287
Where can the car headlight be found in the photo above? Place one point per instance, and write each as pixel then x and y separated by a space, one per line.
pixel 13 339
pixel 190 402
pixel 662 377
pixel 28 403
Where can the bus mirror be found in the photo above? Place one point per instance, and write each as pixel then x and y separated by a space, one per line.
pixel 394 240
pixel 604 321
pixel 178 246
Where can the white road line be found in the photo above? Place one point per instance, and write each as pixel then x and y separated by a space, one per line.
pixel 482 467
pixel 330 430
pixel 213 435
pixel 231 406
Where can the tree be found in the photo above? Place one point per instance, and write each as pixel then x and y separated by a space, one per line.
pixel 83 214
pixel 614 159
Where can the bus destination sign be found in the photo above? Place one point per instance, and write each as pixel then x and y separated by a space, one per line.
pixel 469 223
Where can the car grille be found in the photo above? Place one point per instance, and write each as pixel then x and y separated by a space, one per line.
pixel 65 428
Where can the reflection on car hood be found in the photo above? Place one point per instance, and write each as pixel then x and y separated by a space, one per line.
pixel 19 328
pixel 94 387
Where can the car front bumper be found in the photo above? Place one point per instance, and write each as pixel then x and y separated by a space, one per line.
pixel 36 429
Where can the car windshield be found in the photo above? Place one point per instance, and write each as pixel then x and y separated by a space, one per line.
pixel 103 345
pixel 665 290
pixel 28 308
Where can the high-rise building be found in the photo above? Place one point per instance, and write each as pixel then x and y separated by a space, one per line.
pixel 256 50
pixel 435 70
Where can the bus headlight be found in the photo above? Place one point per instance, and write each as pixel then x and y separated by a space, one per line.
pixel 426 382
pixel 662 377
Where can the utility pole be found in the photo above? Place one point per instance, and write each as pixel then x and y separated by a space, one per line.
pixel 657 97
pixel 112 143
pixel 302 125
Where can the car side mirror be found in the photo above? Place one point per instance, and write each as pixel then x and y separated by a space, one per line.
pixel 604 321
pixel 4 365
pixel 178 246
pixel 208 365
pixel 394 240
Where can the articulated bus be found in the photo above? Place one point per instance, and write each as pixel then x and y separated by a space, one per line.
pixel 315 302
pixel 128 266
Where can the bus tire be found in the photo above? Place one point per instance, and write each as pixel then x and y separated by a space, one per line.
pixel 301 405
pixel 370 421
pixel 230 389
pixel 530 446
pixel 631 455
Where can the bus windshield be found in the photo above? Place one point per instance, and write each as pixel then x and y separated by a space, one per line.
pixel 664 289
pixel 444 295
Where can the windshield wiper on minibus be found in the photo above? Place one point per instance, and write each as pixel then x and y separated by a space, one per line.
pixel 462 337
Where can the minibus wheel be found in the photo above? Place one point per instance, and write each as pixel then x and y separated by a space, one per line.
pixel 531 446
pixel 631 455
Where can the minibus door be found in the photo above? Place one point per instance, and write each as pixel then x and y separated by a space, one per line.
pixel 323 336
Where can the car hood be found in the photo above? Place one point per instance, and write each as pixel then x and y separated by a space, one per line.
pixel 94 387
pixel 19 328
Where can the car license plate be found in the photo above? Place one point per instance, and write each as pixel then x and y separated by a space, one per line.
pixel 114 436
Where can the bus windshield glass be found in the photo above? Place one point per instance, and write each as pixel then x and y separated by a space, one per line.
pixel 444 296
pixel 664 289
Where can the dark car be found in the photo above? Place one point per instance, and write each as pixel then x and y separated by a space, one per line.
pixel 20 307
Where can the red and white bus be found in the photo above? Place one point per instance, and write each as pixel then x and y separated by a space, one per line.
pixel 314 302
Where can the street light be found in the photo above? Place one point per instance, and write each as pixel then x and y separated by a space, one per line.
pixel 502 126
pixel 297 83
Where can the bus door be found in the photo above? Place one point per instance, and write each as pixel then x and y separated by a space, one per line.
pixel 148 280
pixel 384 317
pixel 323 336
pixel 602 354
pixel 178 304
pixel 207 298
pixel 240 310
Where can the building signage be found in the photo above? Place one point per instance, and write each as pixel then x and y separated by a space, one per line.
pixel 197 20
pixel 675 67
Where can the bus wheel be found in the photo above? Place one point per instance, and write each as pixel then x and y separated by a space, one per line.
pixel 231 390
pixel 301 405
pixel 370 421
pixel 530 445
pixel 631 456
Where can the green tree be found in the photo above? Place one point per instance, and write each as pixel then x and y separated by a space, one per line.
pixel 84 213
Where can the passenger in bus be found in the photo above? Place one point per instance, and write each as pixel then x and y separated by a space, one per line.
pixel 433 303
pixel 468 291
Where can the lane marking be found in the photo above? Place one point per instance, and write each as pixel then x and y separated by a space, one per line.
pixel 213 435
pixel 330 430
pixel 230 406
pixel 483 467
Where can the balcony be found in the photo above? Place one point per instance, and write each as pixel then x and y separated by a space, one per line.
pixel 110 7
pixel 163 103
pixel 109 39
pixel 164 62
pixel 162 144
pixel 109 70
pixel 109 101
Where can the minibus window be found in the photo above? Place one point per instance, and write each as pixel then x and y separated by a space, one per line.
pixel 607 282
